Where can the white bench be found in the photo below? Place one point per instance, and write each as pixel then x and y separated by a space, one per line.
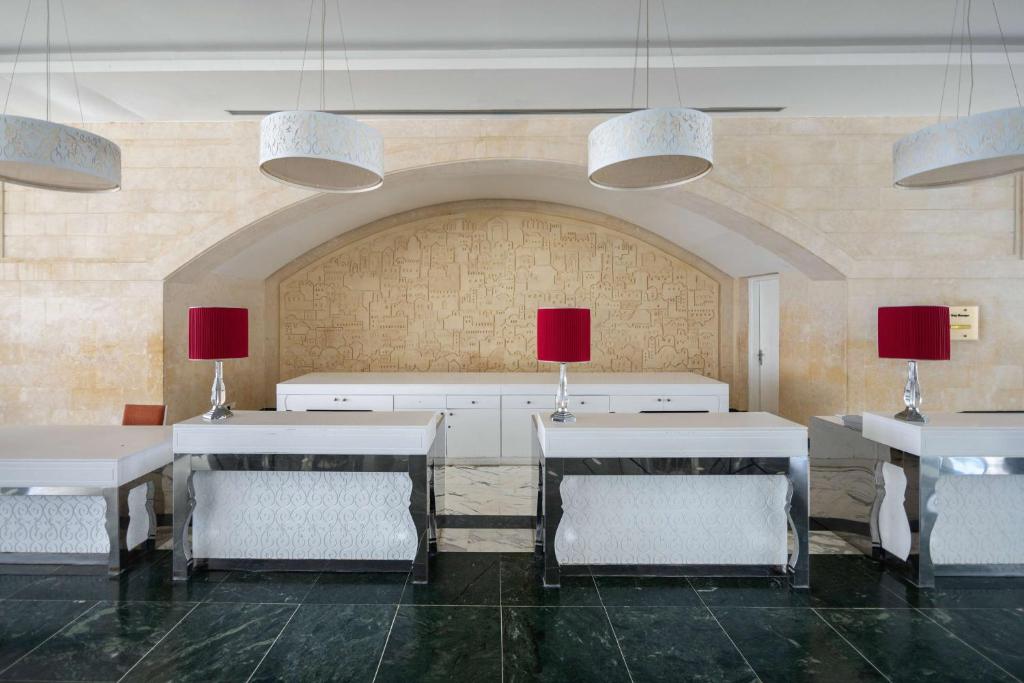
pixel 79 494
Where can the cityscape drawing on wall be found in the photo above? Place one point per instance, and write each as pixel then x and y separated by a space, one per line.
pixel 459 293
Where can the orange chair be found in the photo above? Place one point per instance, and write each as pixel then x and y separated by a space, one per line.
pixel 143 416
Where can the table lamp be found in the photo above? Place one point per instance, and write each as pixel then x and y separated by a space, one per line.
pixel 217 333
pixel 563 336
pixel 913 333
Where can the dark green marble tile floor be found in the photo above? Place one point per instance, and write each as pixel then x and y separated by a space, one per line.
pixel 486 617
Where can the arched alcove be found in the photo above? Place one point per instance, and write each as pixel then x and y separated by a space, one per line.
pixel 706 224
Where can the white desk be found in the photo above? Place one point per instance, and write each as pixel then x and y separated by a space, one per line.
pixel 626 521
pixel 968 521
pixel 488 413
pixel 78 494
pixel 307 490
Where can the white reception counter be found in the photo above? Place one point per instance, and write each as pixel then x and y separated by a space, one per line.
pixel 619 495
pixel 488 413
pixel 953 493
pixel 306 490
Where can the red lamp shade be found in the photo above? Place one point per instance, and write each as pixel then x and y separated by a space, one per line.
pixel 563 335
pixel 913 332
pixel 216 333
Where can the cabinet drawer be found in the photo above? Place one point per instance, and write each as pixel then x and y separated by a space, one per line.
pixel 338 402
pixel 419 403
pixel 640 404
pixel 465 402
pixel 584 404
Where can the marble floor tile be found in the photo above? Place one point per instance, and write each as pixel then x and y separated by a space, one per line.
pixel 264 587
pixel 653 591
pixel 560 644
pixel 102 644
pixel 677 644
pixel 774 591
pixel 370 588
pixel 828 543
pixel 26 624
pixel 338 643
pixel 907 646
pixel 215 642
pixel 486 540
pixel 996 633
pixel 443 644
pixel 854 581
pixel 784 644
pixel 521 585
pixel 490 490
pixel 458 579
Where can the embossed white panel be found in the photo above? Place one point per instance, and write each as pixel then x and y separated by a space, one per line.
pixel 673 520
pixel 303 515
pixel 65 524
pixel 981 520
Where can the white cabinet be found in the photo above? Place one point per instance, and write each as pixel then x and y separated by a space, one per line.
pixel 664 404
pixel 420 402
pixel 473 433
pixel 516 430
pixel 340 402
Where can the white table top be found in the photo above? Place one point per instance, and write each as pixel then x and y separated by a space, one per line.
pixel 80 455
pixel 650 435
pixel 340 433
pixel 951 434
pixel 580 382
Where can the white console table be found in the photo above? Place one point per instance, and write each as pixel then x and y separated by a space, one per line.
pixel 488 413
pixel 79 494
pixel 306 490
pixel 619 495
pixel 953 500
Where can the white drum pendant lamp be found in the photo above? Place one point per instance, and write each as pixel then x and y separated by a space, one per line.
pixel 975 147
pixel 320 150
pixel 52 156
pixel 650 148
pixel 968 148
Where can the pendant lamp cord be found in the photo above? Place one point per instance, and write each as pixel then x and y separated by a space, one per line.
pixel 344 52
pixel 71 57
pixel 646 14
pixel 17 55
pixel 636 54
pixel 970 45
pixel 47 60
pixel 323 54
pixel 1006 52
pixel 305 50
pixel 949 54
pixel 672 54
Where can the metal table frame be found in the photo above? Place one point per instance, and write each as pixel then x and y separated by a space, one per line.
pixel 549 508
pixel 118 518
pixel 922 507
pixel 422 503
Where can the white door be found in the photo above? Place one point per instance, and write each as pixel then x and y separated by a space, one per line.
pixel 474 435
pixel 763 344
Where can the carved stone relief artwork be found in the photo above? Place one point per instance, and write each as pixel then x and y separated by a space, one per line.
pixel 459 293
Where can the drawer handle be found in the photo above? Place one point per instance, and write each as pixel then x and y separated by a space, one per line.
pixel 529 402
pixel 583 403
pixel 450 414
pixel 668 400
pixel 659 400
pixel 473 403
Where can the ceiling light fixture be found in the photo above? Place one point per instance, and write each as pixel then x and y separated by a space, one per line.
pixel 316 149
pixel 650 148
pixel 968 148
pixel 52 156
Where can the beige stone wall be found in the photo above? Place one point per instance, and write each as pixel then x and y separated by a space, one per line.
pixel 82 296
pixel 458 291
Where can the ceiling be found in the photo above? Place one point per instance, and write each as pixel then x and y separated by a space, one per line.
pixel 197 59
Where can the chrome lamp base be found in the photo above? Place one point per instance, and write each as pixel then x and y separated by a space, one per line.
pixel 218 396
pixel 911 397
pixel 562 413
